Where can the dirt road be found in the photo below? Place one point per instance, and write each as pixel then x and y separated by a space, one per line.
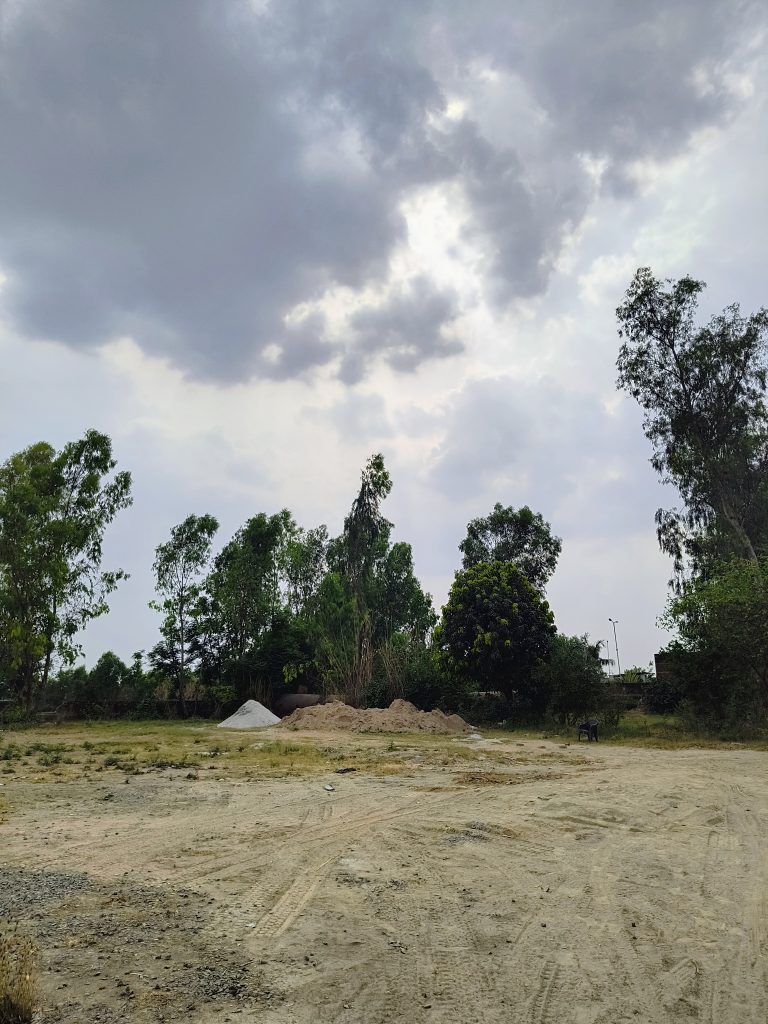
pixel 578 885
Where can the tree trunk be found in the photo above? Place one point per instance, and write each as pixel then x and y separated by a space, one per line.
pixel 737 529
pixel 28 676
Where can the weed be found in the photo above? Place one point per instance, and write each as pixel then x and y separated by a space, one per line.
pixel 49 758
pixel 18 962
pixel 10 753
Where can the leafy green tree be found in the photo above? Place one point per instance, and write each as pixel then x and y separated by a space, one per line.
pixel 242 607
pixel 54 510
pixel 354 557
pixel 396 599
pixel 572 682
pixel 178 567
pixel 244 584
pixel 336 620
pixel 702 390
pixel 720 656
pixel 496 628
pixel 513 535
pixel 372 616
pixel 305 564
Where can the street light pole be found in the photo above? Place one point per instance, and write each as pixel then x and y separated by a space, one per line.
pixel 616 642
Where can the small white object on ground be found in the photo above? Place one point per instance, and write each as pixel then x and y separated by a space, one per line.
pixel 329 789
pixel 251 715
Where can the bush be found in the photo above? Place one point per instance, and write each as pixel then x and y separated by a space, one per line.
pixel 721 655
pixel 17 977
pixel 661 696
pixel 574 686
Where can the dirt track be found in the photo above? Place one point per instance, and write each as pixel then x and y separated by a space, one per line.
pixel 579 885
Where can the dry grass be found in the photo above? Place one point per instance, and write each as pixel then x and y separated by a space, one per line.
pixel 80 751
pixel 18 968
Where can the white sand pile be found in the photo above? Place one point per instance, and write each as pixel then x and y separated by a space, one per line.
pixel 400 716
pixel 251 715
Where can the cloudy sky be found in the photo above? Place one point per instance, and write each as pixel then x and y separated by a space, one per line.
pixel 257 240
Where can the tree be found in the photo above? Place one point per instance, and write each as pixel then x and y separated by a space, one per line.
pixel 573 683
pixel 304 566
pixel 396 599
pixel 496 628
pixel 242 600
pixel 54 510
pixel 720 656
pixel 702 390
pixel 353 557
pixel 509 535
pixel 178 566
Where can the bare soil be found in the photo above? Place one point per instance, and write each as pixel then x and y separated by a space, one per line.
pixel 400 716
pixel 496 881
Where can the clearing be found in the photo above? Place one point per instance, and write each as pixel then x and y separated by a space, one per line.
pixel 169 873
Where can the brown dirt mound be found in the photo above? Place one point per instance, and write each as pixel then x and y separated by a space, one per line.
pixel 400 716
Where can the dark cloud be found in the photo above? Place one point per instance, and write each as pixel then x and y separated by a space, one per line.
pixel 189 171
pixel 406 329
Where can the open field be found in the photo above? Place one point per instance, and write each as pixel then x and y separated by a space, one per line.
pixel 170 873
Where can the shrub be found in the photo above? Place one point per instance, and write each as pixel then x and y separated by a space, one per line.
pixel 18 957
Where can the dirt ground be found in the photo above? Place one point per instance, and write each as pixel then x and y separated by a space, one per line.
pixel 442 880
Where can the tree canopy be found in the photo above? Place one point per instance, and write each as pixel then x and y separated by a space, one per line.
pixel 178 566
pixel 513 535
pixel 496 627
pixel 54 510
pixel 702 390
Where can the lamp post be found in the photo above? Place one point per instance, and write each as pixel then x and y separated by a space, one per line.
pixel 616 642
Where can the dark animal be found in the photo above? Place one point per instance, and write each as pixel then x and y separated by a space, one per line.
pixel 588 729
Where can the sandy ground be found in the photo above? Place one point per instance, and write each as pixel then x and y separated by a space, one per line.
pixel 585 885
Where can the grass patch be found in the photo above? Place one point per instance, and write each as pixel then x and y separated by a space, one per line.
pixel 638 729
pixel 18 966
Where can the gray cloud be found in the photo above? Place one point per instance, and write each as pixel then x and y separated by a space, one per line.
pixel 406 329
pixel 557 449
pixel 189 171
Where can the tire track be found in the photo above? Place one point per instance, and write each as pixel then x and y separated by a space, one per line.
pixel 541 1003
pixel 292 903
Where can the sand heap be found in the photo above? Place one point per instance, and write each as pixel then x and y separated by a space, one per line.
pixel 400 716
pixel 251 715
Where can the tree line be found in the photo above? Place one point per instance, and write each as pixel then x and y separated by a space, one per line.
pixel 702 389
pixel 279 607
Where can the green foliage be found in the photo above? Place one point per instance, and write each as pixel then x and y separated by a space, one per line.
pixel 250 637
pixel 496 629
pixel 337 626
pixel 178 566
pixel 573 683
pixel 370 609
pixel 54 510
pixel 304 566
pixel 703 393
pixel 397 602
pixel 508 535
pixel 721 652
pixel 661 695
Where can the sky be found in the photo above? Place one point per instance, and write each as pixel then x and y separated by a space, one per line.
pixel 255 241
